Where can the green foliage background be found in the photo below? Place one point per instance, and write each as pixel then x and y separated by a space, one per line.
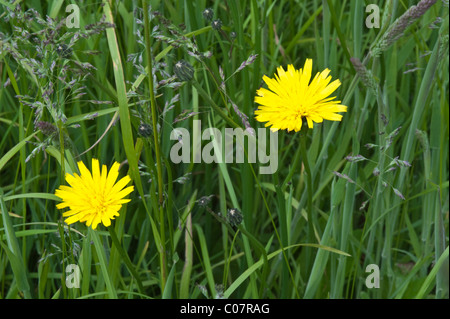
pixel 379 178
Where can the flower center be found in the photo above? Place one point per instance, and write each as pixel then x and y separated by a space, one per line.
pixel 299 115
pixel 98 203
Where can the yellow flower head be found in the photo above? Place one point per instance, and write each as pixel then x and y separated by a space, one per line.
pixel 93 198
pixel 291 97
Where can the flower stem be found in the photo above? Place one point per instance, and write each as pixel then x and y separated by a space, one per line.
pixel 156 142
pixel 125 258
pixel 303 138
pixel 153 101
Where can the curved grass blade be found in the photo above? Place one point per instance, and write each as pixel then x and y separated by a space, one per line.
pixel 13 251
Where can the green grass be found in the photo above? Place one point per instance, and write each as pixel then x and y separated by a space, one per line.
pixel 308 231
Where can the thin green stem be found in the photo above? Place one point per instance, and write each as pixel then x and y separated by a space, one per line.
pixel 156 142
pixel 305 160
pixel 152 100
pixel 303 137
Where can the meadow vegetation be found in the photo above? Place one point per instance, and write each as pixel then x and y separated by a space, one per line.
pixel 371 189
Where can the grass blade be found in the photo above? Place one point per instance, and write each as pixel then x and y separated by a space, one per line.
pixel 103 263
pixel 13 251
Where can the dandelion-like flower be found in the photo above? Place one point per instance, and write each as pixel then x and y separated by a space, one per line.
pixel 291 97
pixel 93 198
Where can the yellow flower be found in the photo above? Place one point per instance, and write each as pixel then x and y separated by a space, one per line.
pixel 291 97
pixel 93 198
